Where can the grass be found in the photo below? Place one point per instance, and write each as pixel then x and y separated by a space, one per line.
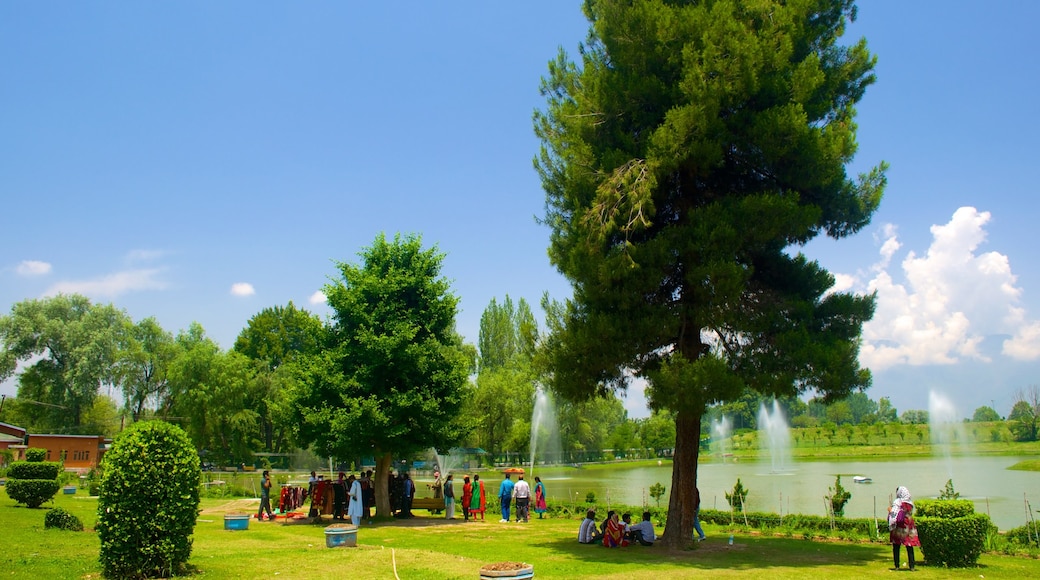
pixel 1033 465
pixel 437 549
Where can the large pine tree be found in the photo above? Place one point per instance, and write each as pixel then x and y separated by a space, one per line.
pixel 685 158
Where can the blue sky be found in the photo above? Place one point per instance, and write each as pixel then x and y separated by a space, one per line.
pixel 200 161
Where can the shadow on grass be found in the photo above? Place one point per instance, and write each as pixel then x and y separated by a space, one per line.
pixel 716 553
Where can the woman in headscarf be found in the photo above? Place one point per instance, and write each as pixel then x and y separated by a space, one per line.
pixel 539 497
pixel 901 528
pixel 614 531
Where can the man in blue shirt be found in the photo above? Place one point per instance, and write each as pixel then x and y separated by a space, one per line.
pixel 505 497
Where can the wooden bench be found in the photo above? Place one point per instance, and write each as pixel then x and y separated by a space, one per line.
pixel 428 503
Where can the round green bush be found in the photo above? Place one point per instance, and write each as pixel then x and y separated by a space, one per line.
pixel 34 470
pixel 148 502
pixel 63 520
pixel 35 454
pixel 32 492
pixel 953 542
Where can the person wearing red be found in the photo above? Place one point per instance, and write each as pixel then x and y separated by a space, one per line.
pixel 901 527
pixel 467 496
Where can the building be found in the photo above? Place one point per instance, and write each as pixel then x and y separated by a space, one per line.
pixel 12 438
pixel 78 452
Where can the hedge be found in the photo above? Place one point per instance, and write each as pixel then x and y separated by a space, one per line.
pixel 951 533
pixel 37 470
pixel 35 454
pixel 32 492
pixel 807 523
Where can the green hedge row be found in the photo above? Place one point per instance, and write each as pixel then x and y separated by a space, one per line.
pixel 32 492
pixel 31 470
pixel 802 522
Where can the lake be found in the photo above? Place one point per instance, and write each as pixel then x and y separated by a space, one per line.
pixel 996 490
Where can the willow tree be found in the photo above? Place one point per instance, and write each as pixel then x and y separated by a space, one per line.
pixel 686 157
pixel 392 373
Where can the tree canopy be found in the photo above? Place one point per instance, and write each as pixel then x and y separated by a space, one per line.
pixel 393 371
pixel 684 159
pixel 68 348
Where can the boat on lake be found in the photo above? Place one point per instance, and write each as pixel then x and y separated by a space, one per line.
pixel 861 479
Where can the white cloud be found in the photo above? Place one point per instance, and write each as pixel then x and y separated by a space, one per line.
pixel 952 299
pixel 318 298
pixel 33 268
pixel 137 256
pixel 242 289
pixel 111 285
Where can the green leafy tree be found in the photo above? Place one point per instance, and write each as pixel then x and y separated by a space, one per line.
pixel 505 386
pixel 684 159
pixel 148 502
pixel 838 497
pixel 862 409
pixel 948 492
pixel 658 430
pixel 143 366
pixel 212 397
pixel 886 413
pixel 274 337
pixel 68 349
pixel 984 414
pixel 1025 414
pixel 914 417
pixel 102 418
pixel 657 492
pixel 393 372
pixel 738 499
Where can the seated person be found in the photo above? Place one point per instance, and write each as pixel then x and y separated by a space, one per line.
pixel 643 532
pixel 587 533
pixel 614 534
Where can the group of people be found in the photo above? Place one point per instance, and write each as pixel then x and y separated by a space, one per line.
pixel 616 531
pixel 520 493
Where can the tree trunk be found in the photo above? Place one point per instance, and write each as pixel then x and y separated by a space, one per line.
pixel 379 484
pixel 678 532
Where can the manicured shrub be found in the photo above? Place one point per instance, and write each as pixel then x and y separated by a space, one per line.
pixel 945 508
pixel 35 454
pixel 1024 535
pixel 32 492
pixel 63 520
pixel 148 502
pixel 951 533
pixel 37 470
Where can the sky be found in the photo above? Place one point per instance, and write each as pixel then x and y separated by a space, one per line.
pixel 201 161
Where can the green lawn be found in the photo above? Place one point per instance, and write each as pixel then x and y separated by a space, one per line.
pixel 437 549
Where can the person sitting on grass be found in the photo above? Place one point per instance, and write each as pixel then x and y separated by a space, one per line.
pixel 643 532
pixel 614 533
pixel 587 533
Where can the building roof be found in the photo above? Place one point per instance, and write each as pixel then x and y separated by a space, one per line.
pixel 65 435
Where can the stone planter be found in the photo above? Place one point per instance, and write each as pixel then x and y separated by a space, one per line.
pixel 515 570
pixel 236 521
pixel 69 490
pixel 341 536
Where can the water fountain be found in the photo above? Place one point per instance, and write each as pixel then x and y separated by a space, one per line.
pixel 776 436
pixel 449 463
pixel 545 430
pixel 945 429
pixel 721 429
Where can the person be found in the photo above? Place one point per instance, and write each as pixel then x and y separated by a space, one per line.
pixel 505 497
pixel 902 531
pixel 614 531
pixel 449 497
pixel 643 532
pixel 478 503
pixel 407 495
pixel 522 492
pixel 697 517
pixel 354 506
pixel 467 496
pixel 587 533
pixel 339 502
pixel 310 484
pixel 539 497
pixel 265 497
pixel 368 495
pixel 436 487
